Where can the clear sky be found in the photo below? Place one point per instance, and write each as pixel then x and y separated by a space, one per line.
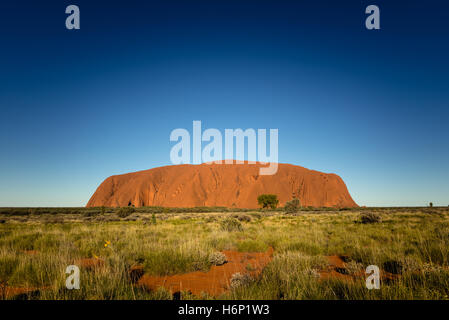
pixel 77 106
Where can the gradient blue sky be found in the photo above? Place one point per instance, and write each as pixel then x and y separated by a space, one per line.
pixel 79 106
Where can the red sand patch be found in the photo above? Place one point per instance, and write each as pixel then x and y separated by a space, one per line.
pixel 216 281
pixel 31 252
pixel 7 292
pixel 90 263
pixel 337 270
pixel 336 261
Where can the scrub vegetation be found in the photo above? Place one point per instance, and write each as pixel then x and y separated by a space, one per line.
pixel 410 246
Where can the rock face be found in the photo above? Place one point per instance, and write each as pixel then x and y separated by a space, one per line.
pixel 227 185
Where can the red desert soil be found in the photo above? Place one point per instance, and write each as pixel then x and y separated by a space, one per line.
pixel 90 263
pixel 7 292
pixel 227 185
pixel 30 252
pixel 337 270
pixel 216 281
pixel 336 264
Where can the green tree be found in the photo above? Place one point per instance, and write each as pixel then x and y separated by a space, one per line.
pixel 268 200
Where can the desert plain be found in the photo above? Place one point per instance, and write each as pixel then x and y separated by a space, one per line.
pixel 224 253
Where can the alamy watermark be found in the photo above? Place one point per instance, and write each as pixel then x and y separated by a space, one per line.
pixel 73 280
pixel 182 153
pixel 373 280
pixel 372 22
pixel 73 20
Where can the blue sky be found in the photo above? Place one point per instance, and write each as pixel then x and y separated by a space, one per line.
pixel 78 106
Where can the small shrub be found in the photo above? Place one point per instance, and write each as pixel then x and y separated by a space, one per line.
pixel 153 218
pixel 240 280
pixel 256 215
pixel 430 268
pixel 353 267
pixel 242 217
pixel 53 220
pixel 217 258
pixel 231 224
pixel 410 264
pixel 268 201
pixel 311 273
pixel 211 219
pixel 91 213
pixel 125 212
pixel 292 206
pixel 370 217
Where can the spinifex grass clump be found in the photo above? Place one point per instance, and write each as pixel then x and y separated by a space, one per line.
pixel 242 217
pixel 125 212
pixel 353 267
pixel 239 280
pixel 231 224
pixel 292 206
pixel 370 217
pixel 217 258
